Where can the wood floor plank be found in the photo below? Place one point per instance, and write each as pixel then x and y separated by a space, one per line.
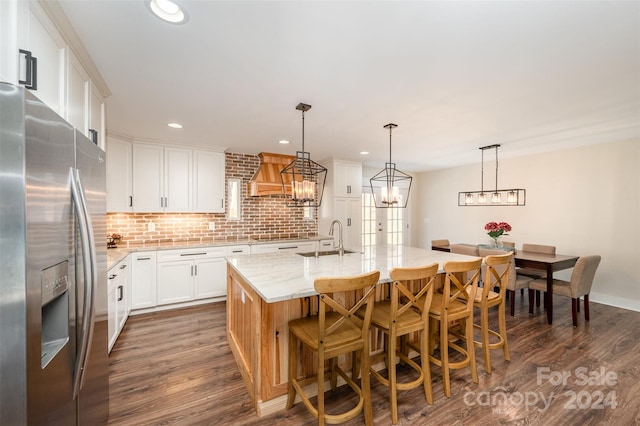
pixel 175 368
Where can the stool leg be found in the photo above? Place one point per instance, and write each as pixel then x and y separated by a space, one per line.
pixel 502 326
pixel 444 356
pixel 320 379
pixel 484 328
pixel 391 365
pixel 365 384
pixel 293 363
pixel 424 363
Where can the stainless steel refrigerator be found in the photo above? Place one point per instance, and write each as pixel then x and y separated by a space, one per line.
pixel 53 280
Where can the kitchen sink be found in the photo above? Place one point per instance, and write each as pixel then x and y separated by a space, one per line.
pixel 323 253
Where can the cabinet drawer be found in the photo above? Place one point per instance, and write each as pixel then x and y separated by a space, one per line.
pixel 191 254
pixel 235 250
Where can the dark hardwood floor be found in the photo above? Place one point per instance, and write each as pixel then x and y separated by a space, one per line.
pixel 175 368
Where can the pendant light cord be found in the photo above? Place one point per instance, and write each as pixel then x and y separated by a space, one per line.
pixel 497 168
pixel 482 172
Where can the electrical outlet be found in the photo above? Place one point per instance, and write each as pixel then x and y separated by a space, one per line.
pixel 151 226
pixel 212 226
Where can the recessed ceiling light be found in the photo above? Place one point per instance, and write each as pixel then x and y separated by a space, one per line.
pixel 283 142
pixel 175 125
pixel 168 11
pixel 364 152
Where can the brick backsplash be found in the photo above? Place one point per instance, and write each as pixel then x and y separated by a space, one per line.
pixel 266 216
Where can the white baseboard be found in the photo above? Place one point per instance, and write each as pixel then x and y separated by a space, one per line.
pixel 618 302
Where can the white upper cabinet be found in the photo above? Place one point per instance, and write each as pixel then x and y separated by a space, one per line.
pixel 119 176
pixel 42 58
pixel 208 181
pixel 78 83
pixel 347 179
pixel 177 179
pixel 40 51
pixel 96 125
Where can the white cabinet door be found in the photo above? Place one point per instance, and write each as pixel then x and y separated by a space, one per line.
pixel 208 181
pixel 347 179
pixel 49 48
pixel 175 282
pixel 77 95
pixel 112 309
pixel 210 278
pixel 349 212
pixel 148 174
pixel 143 280
pixel 177 180
pixel 96 116
pixel 119 176
pixel 123 293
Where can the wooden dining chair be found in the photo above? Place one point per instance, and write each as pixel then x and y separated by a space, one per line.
pixel 580 285
pixel 498 269
pixel 407 312
pixel 510 244
pixel 515 282
pixel 455 305
pixel 334 331
pixel 443 243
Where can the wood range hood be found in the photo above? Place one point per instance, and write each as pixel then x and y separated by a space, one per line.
pixel 266 180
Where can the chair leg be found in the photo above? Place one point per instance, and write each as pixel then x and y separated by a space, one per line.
pixel 444 356
pixel 424 363
pixel 320 379
pixel 531 297
pixel 586 307
pixel 484 329
pixel 393 385
pixel 365 384
pixel 293 364
pixel 334 374
pixel 502 327
pixel 578 302
pixel 574 313
pixel 512 302
pixel 471 348
pixel 538 298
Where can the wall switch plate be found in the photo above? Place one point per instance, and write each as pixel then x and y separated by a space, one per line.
pixel 212 226
pixel 152 226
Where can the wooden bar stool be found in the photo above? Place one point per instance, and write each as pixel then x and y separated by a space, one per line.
pixel 334 331
pixel 455 304
pixel 497 275
pixel 405 313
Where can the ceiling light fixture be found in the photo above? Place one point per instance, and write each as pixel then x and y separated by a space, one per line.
pixel 499 197
pixel 168 11
pixel 303 178
pixel 175 125
pixel 390 187
pixel 283 142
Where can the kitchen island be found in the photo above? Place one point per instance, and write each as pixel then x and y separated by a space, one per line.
pixel 266 291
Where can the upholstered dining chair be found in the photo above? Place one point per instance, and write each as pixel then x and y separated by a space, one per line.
pixel 468 249
pixel 580 285
pixel 515 282
pixel 440 242
pixel 455 305
pixel 336 330
pixel 536 248
pixel 405 313
pixel 509 244
pixel 498 269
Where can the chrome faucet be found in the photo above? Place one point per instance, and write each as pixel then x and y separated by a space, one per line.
pixel 340 246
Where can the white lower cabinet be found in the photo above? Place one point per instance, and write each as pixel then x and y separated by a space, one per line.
pixel 119 299
pixel 294 246
pixel 192 274
pixel 143 280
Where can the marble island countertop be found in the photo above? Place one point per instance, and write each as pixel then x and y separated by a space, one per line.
pixel 283 276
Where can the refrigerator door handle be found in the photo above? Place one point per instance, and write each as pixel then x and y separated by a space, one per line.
pixel 90 277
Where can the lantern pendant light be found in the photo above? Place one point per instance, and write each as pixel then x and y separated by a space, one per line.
pixel 390 187
pixel 303 179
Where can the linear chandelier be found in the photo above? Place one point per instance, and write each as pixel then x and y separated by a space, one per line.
pixel 499 197
pixel 303 179
pixel 390 187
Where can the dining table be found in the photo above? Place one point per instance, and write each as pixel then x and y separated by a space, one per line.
pixel 549 263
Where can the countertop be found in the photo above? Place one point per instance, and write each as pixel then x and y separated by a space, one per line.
pixel 115 255
pixel 283 276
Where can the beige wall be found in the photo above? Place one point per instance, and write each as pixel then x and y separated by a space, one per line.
pixel 583 200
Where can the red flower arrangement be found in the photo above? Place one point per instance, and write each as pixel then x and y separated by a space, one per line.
pixel 497 229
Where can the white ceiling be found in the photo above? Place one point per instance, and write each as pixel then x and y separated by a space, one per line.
pixel 530 75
